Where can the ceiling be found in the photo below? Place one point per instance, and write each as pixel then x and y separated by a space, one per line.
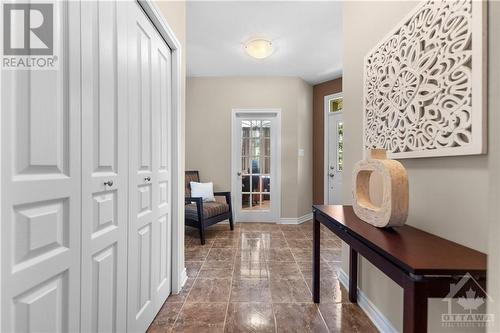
pixel 307 37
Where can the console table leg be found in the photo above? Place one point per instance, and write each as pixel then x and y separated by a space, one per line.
pixel 353 275
pixel 415 307
pixel 316 259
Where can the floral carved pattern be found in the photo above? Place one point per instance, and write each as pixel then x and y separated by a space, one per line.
pixel 418 86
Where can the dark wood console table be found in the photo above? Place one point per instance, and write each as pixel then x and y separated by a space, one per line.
pixel 424 265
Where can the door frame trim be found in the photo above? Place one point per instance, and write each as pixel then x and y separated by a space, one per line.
pixel 179 275
pixel 326 113
pixel 257 111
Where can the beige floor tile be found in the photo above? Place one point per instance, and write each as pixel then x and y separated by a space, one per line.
pixel 302 254
pixel 300 243
pixel 331 291
pixel 210 290
pixel 208 272
pixel 326 271
pixel 299 318
pixel 234 265
pixel 250 317
pixel 181 297
pixel 280 255
pixel 290 291
pixel 297 235
pixel 284 270
pixel 225 242
pixel 196 253
pixel 201 318
pixel 250 269
pixel 346 318
pixel 165 319
pixel 250 290
pixel 221 254
pixel 330 255
pixel 192 268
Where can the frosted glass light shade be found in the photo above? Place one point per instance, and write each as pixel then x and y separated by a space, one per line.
pixel 259 48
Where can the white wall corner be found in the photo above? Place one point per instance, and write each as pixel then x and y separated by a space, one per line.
pixel 296 220
pixel 377 317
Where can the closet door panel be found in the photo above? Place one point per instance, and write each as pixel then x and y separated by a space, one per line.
pixel 162 102
pixel 40 188
pixel 104 167
pixel 143 189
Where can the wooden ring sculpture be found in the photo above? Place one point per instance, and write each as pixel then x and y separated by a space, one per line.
pixel 394 208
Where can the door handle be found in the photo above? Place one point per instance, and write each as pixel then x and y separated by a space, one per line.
pixel 108 183
pixel 331 175
pixel 147 179
pixel 239 173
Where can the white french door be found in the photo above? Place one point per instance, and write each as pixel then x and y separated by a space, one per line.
pixel 149 263
pixel 104 166
pixel 41 188
pixel 334 146
pixel 256 159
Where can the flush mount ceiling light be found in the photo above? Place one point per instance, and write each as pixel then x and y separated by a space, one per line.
pixel 258 48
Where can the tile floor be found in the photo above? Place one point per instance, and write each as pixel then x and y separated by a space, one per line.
pixel 258 278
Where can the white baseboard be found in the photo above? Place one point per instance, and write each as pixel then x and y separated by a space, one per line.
pixel 296 220
pixel 184 277
pixel 377 317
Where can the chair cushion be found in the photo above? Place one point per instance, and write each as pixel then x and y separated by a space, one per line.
pixel 210 209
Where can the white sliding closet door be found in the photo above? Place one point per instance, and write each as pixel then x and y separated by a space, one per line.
pixel 104 166
pixel 40 188
pixel 149 259
pixel 162 101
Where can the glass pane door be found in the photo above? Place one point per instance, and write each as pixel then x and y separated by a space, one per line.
pixel 256 164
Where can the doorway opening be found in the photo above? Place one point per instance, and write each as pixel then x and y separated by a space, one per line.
pixel 256 164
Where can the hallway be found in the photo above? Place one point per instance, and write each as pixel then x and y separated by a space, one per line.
pixel 257 278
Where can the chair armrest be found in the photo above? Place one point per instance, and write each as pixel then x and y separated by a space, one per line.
pixel 196 200
pixel 224 194
pixel 199 206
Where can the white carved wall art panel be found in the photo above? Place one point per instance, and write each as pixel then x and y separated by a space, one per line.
pixel 425 83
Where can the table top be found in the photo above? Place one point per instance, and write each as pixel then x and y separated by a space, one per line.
pixel 412 249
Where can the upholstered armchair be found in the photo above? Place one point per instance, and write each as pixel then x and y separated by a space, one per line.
pixel 199 214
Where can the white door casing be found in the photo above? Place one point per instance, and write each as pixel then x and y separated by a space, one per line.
pixel 104 166
pixel 41 188
pixel 272 213
pixel 149 260
pixel 334 127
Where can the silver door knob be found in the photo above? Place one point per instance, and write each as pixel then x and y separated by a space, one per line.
pixel 147 179
pixel 238 173
pixel 331 175
pixel 331 167
pixel 109 183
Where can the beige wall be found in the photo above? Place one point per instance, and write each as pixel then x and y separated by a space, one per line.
pixel 208 131
pixel 449 196
pixel 494 162
pixel 175 14
pixel 305 138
